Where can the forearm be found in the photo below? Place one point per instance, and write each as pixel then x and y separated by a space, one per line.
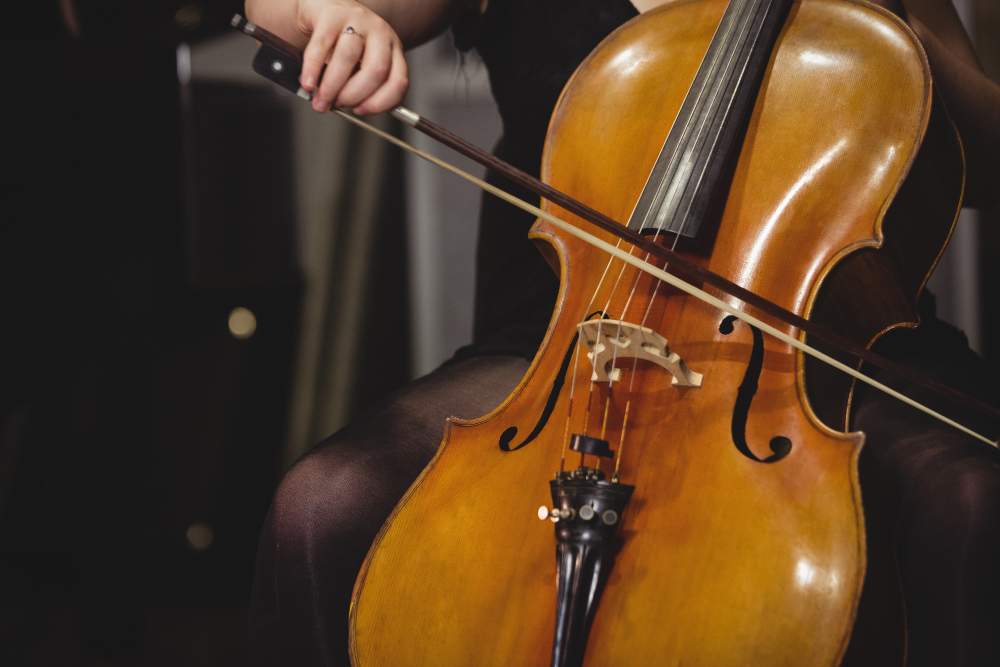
pixel 414 21
pixel 417 21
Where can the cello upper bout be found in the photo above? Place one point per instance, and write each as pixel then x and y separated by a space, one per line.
pixel 822 173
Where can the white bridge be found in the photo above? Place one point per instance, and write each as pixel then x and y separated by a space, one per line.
pixel 608 340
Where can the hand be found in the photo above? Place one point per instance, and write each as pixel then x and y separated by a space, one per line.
pixel 365 68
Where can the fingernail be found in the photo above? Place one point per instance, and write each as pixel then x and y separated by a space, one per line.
pixel 360 111
pixel 309 82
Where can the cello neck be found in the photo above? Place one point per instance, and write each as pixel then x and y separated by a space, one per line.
pixel 694 154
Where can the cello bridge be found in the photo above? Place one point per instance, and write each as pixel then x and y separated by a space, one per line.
pixel 609 340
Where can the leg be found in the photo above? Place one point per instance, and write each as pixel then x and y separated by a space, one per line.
pixel 331 504
pixel 945 515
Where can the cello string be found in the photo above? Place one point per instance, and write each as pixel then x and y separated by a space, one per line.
pixel 702 125
pixel 576 361
pixel 614 357
pixel 733 31
pixel 597 344
pixel 693 131
pixel 657 272
pixel 593 373
pixel 607 305
pixel 642 323
pixel 576 355
pixel 593 359
pixel 621 439
pixel 576 366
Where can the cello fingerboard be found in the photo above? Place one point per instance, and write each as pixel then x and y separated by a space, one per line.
pixel 690 165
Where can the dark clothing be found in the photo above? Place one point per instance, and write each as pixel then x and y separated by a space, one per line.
pixel 937 497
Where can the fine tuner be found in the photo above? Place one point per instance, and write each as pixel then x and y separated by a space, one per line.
pixel 586 513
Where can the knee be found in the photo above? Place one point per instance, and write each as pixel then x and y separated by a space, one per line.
pixel 975 485
pixel 957 498
pixel 298 499
pixel 313 502
pixel 336 498
pixel 973 482
pixel 307 560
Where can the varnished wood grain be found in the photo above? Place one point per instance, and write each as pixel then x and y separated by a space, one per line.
pixel 722 560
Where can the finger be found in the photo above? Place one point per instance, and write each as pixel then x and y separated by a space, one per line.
pixel 346 54
pixel 316 53
pixel 375 66
pixel 392 91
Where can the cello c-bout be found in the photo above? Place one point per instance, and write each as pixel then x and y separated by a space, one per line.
pixel 744 539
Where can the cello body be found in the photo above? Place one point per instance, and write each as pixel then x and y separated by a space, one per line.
pixel 721 558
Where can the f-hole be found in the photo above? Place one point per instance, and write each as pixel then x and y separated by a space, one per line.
pixel 511 432
pixel 780 445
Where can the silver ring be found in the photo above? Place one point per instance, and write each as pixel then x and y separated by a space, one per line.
pixel 351 31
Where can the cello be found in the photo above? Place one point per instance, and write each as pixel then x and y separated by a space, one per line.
pixel 742 539
pixel 777 565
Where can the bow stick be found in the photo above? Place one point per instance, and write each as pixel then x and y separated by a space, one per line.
pixel 281 62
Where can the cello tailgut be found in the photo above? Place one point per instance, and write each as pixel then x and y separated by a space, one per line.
pixel 608 339
pixel 586 512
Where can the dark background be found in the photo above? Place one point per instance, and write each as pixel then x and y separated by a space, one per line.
pixel 141 441
pixel 132 423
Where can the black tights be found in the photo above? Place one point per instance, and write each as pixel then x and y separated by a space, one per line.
pixel 331 504
pixel 945 507
pixel 943 513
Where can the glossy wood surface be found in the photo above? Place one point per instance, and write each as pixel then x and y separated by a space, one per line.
pixel 721 560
